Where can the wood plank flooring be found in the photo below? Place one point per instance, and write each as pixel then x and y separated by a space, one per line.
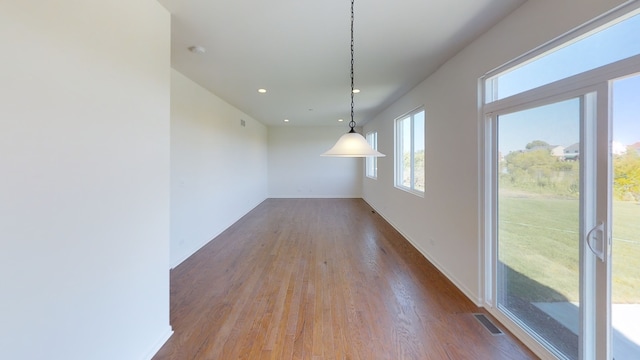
pixel 321 279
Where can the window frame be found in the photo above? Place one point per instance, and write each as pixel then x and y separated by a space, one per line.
pixel 371 162
pixel 488 82
pixel 399 155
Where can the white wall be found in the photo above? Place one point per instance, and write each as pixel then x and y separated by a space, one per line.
pixel 218 167
pixel 444 224
pixel 296 169
pixel 84 184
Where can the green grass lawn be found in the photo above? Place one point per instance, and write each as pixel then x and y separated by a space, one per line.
pixel 539 241
pixel 626 252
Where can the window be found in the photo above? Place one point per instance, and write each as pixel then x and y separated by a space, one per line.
pixel 618 40
pixel 371 162
pixel 559 125
pixel 409 153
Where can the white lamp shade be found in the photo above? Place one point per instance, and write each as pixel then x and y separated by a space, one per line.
pixel 352 145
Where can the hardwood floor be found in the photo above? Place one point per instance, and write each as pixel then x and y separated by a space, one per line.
pixel 321 279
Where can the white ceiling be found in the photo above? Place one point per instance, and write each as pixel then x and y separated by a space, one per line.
pixel 299 51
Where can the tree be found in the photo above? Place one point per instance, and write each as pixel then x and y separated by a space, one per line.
pixel 536 144
pixel 538 171
pixel 626 176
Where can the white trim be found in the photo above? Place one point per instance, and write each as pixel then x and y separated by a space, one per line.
pixel 158 344
pixel 410 190
pixel 200 245
pixel 519 333
pixel 458 284
pixel 617 14
pixel 192 250
pixel 374 160
pixel 568 86
pixel 398 165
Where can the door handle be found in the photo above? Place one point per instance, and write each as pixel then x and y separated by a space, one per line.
pixel 597 233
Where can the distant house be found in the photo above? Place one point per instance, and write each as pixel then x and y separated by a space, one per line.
pixel 617 148
pixel 572 152
pixel 557 151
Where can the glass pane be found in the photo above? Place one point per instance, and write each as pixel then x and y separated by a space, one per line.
pixel 612 44
pixel 370 161
pixel 626 219
pixel 538 222
pixel 405 129
pixel 418 151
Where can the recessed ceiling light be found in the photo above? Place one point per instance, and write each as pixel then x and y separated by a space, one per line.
pixel 262 91
pixel 340 120
pixel 197 49
pixel 355 91
pixel 286 120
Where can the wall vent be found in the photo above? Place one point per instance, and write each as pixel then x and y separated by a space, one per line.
pixel 484 320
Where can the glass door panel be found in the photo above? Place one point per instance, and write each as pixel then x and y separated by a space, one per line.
pixel 625 154
pixel 538 223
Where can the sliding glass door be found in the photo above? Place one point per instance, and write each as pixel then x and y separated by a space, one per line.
pixel 565 220
pixel 625 209
pixel 538 221
pixel 562 192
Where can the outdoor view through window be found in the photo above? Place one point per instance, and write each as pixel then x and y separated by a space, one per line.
pixel 539 218
pixel 539 214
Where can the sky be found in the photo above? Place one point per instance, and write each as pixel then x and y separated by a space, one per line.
pixel 626 110
pixel 558 124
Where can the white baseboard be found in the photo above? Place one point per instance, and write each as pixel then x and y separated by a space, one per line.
pixel 468 293
pixel 161 341
pixel 197 247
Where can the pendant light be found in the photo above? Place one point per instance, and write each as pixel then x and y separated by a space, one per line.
pixel 352 144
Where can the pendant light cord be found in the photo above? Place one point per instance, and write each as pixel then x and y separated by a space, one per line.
pixel 352 123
